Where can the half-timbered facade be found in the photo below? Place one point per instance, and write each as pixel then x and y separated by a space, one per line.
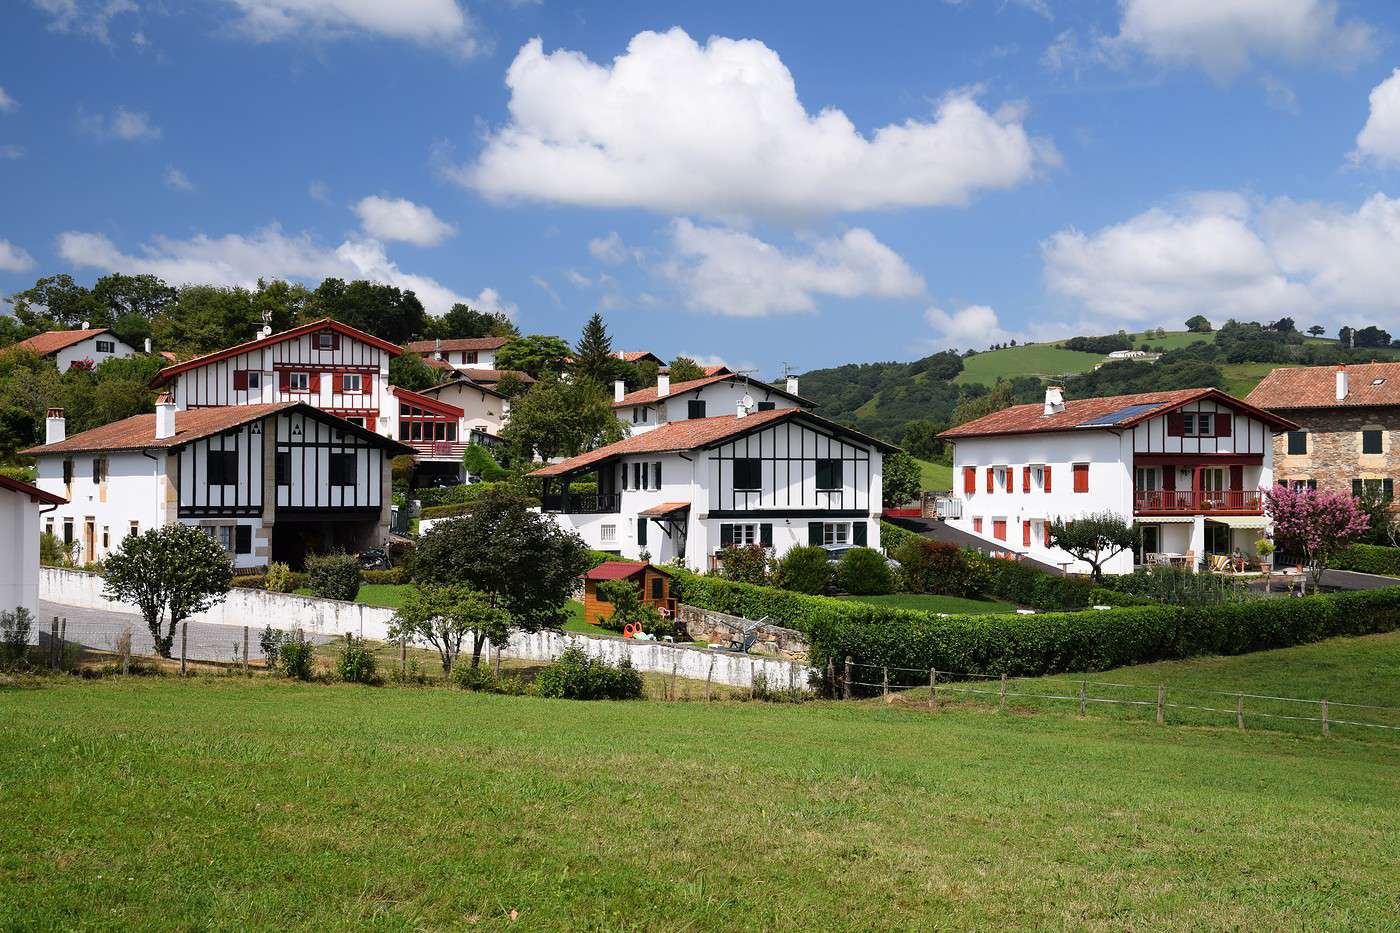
pixel 270 482
pixel 776 479
pixel 461 353
pixel 717 394
pixel 1187 467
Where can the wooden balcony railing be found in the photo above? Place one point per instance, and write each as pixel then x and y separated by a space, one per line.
pixel 580 504
pixel 1247 501
pixel 445 449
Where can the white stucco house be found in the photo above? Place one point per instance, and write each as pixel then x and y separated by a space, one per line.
pixel 461 353
pixel 21 506
pixel 1187 467
pixel 775 478
pixel 90 346
pixel 718 393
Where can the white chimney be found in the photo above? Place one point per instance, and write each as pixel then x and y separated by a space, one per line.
pixel 792 385
pixel 739 410
pixel 87 325
pixel 1054 400
pixel 619 390
pixel 1341 383
pixel 663 385
pixel 55 427
pixel 264 331
pixel 165 417
pixel 148 344
pixel 437 349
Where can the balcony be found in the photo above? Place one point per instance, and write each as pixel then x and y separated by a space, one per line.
pixel 438 450
pixel 583 504
pixel 1198 501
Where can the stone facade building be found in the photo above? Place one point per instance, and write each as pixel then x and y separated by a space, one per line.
pixel 1348 439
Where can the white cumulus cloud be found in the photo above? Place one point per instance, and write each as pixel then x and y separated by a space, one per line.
pixel 177 180
pixel 269 253
pixel 718 130
pixel 91 18
pixel 14 258
pixel 1223 37
pixel 609 249
pixel 1379 139
pixel 121 124
pixel 428 22
pixel 735 273
pixel 969 327
pixel 1222 255
pixel 401 219
pixel 7 103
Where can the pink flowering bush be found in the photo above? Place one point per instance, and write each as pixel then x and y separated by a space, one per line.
pixel 1314 523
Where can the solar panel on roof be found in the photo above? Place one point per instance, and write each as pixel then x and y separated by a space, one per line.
pixel 1114 417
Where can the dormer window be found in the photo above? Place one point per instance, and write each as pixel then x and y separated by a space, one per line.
pixel 1377 382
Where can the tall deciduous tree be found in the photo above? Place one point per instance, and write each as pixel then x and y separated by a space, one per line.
pixel 562 419
pixel 409 371
pixel 387 312
pixel 900 479
pixel 462 321
pixel 537 354
pixel 1198 324
pixel 1093 539
pixel 684 369
pixel 170 573
pixel 446 616
pixel 1314 524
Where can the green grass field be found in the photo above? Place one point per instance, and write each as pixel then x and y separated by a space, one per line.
pixel 1033 359
pixel 935 477
pixel 225 802
pixel 949 604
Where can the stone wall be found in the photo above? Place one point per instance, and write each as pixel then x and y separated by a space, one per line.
pixel 711 627
pixel 1334 456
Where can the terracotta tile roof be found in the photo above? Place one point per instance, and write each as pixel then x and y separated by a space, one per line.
pixel 717 370
pixel 696 433
pixel 458 343
pixel 139 431
pixel 427 401
pixel 54 340
pixel 1031 419
pixel 461 380
pixel 616 570
pixel 1316 387
pixel 665 508
pixel 648 396
pixel 323 324
pixel 34 493
pixel 634 356
pixel 493 376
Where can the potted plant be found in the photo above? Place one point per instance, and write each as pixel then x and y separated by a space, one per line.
pixel 1265 549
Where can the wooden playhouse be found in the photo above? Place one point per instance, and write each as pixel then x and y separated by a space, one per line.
pixel 655 585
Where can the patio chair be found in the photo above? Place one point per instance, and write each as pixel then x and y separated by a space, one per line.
pixel 1220 563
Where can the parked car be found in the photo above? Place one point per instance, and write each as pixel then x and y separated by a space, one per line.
pixel 834 553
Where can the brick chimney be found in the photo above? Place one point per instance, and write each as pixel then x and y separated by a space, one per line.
pixel 55 426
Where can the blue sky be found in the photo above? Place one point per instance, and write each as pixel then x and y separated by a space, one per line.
pixel 802 183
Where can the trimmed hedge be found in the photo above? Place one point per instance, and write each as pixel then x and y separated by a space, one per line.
pixel 1369 558
pixel 1024 585
pixel 892 536
pixel 1096 640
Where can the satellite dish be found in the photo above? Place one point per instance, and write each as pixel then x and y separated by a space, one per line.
pixel 748 400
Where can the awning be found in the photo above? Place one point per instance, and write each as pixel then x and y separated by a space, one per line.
pixel 665 509
pixel 1167 520
pixel 1239 521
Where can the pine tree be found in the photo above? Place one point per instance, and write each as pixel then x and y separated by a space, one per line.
pixel 593 356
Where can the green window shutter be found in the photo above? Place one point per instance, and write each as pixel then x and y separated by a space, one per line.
pixel 726 535
pixel 1388 488
pixel 814 534
pixel 765 535
pixel 1356 488
pixel 642 531
pixel 859 531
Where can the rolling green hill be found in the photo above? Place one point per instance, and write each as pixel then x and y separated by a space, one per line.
pixel 1045 360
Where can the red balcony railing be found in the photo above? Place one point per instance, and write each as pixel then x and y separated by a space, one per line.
pixel 452 449
pixel 1198 500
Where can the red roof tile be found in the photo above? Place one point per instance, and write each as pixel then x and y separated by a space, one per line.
pixel 1368 385
pixel 1031 418
pixel 493 376
pixel 458 343
pixel 34 493
pixel 648 396
pixel 355 333
pixel 636 356
pixel 665 508
pixel 54 340
pixel 616 570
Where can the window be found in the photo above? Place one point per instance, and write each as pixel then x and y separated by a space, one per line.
pixel 254 381
pixel 1145 479
pixel 745 535
pixel 283 467
pixel 767 406
pixel 1383 488
pixel 969 480
pixel 358 422
pixel 135 528
pixel 1081 477
pixel 342 469
pixel 106 346
pixel 1297 442
pixel 999 529
pixel 99 469
pixel 243 539
pixel 299 382
pixel 48 526
pixel 1301 483
pixel 748 473
pixel 325 341
pixel 222 534
pixel 1370 442
pixel 469 356
pixel 351 382
pixel 608 534
pixel 1039 477
pixel 67 472
pixel 828 474
pixel 222 468
pixel 977 524
pixel 658 588
pixel 838 533
pixel 695 408
pixel 1197 424
pixel 106 537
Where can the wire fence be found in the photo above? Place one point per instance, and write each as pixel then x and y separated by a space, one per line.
pixel 1178 704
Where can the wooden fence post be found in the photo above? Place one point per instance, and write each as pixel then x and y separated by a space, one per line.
pixel 184 644
pixel 708 675
pixel 933 688
pixel 885 681
pixel 673 680
pixel 62 640
pixel 498 662
pixel 753 667
pixel 1001 695
pixel 1161 703
pixel 1326 731
pixel 830 677
pixel 1081 700
pixel 1239 711
pixel 245 649
pixel 403 655
pixel 53 643
pixel 846 680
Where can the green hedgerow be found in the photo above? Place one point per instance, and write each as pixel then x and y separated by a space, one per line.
pixel 576 676
pixel 805 569
pixel 334 576
pixel 864 572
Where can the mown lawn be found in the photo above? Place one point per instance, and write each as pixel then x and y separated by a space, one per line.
pixel 1034 359
pixel 935 477
pixel 949 604
pixel 224 802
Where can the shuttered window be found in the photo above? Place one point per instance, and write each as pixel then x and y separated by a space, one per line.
pixel 1081 477
pixel 695 408
pixel 999 529
pixel 1297 442
pixel 342 470
pixel 243 539
pixel 1371 442
pixel 1026 534
pixel 221 468
pixel 828 474
pixel 748 473
pixel 283 467
pixel 969 480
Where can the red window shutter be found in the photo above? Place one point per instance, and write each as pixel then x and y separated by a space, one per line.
pixel 1169 479
pixel 1047 534
pixel 337 382
pixel 335 340
pixel 999 529
pixel 240 380
pixel 367 383
pixel 1081 477
pixel 315 382
pixel 969 480
pixel 991 480
pixel 1026 534
pixel 1175 424
pixel 1025 479
pixel 1236 477
pixel 284 380
pixel 977 524
pixel 1224 424
pixel 1047 479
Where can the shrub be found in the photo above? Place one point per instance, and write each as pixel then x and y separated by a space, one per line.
pixel 935 567
pixel 803 570
pixel 334 576
pixel 258 581
pixel 278 579
pixel 53 552
pixel 1182 586
pixel 748 564
pixel 270 641
pixel 294 657
pixel 576 676
pixel 484 680
pixel 356 663
pixel 864 572
pixel 395 576
pixel 630 609
pixel 15 626
pixel 892 536
pixel 1369 558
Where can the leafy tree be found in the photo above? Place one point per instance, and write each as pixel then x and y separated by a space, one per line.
pixel 1372 336
pixel 512 386
pixel 1284 325
pixel 385 311
pixel 409 371
pixel 12 330
pixel 57 302
pixel 170 573
pixel 684 369
pixel 445 616
pixel 630 609
pixel 1314 524
pixel 1345 335
pixel 521 562
pixel 976 406
pixel 205 318
pixel 461 321
pixel 1379 509
pixel 479 463
pixel 593 354
pixel 900 479
pixel 562 419
pixel 537 354
pixel 142 296
pixel 1093 539
pixel 921 439
pixel 1198 324
pixel 1317 330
